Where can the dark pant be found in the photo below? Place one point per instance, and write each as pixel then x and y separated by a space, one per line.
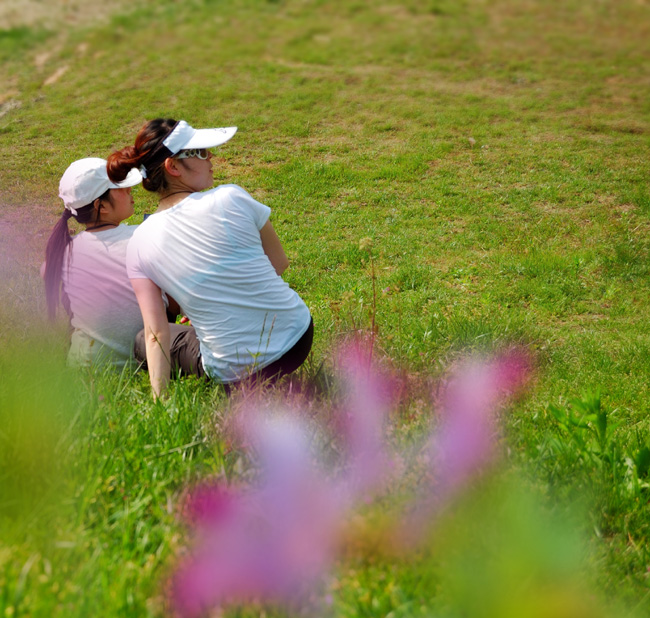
pixel 186 354
pixel 291 360
pixel 184 350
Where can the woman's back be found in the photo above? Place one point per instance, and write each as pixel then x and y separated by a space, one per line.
pixel 104 311
pixel 206 252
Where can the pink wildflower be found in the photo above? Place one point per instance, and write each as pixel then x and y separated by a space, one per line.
pixel 465 441
pixel 470 402
pixel 364 423
pixel 275 541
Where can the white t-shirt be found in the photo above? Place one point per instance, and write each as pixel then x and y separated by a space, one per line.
pixel 206 252
pixel 105 314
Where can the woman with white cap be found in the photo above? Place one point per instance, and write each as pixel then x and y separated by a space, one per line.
pixel 88 272
pixel 216 252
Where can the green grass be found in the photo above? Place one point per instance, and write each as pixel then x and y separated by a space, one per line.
pixel 496 153
pixel 16 41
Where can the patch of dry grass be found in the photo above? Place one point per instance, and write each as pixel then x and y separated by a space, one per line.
pixel 57 14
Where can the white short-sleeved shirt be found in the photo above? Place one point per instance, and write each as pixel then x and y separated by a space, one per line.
pixel 105 315
pixel 206 252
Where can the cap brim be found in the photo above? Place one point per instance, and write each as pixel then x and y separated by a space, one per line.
pixel 209 138
pixel 134 177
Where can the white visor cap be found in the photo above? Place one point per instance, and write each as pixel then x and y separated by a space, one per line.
pixel 184 137
pixel 87 179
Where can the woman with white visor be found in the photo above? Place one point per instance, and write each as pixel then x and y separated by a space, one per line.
pixel 216 252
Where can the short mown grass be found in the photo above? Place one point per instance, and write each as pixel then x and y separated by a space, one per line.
pixel 495 153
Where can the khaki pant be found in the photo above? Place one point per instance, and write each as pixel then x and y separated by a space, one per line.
pixel 184 351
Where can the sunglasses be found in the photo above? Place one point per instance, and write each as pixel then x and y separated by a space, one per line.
pixel 200 153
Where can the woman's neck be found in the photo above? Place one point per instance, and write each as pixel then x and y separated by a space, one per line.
pixel 97 227
pixel 172 198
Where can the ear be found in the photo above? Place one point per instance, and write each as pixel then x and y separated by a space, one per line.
pixel 171 166
pixel 99 204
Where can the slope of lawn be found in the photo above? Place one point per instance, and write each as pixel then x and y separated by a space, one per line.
pixel 464 174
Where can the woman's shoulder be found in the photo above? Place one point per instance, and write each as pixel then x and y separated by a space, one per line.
pixel 228 190
pixel 91 241
pixel 237 197
pixel 118 232
pixel 116 236
pixel 124 230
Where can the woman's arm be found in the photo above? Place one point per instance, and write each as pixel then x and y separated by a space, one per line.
pixel 273 248
pixel 156 333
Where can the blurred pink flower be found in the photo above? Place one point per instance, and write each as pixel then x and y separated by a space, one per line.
pixel 271 543
pixel 471 399
pixel 464 443
pixel 364 420
pixel 209 504
pixel 275 541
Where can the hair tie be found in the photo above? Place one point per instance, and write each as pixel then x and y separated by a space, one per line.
pixel 143 171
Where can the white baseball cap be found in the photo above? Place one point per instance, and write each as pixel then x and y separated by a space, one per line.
pixel 86 179
pixel 184 137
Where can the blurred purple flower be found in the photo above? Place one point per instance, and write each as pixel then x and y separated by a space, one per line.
pixel 271 543
pixel 208 505
pixel 275 541
pixel 471 399
pixel 364 420
pixel 464 443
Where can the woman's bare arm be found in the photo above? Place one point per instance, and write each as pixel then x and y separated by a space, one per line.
pixel 273 248
pixel 156 332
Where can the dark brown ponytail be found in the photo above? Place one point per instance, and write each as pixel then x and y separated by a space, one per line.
pixel 148 155
pixel 57 244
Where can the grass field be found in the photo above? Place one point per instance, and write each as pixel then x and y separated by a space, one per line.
pixel 495 153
